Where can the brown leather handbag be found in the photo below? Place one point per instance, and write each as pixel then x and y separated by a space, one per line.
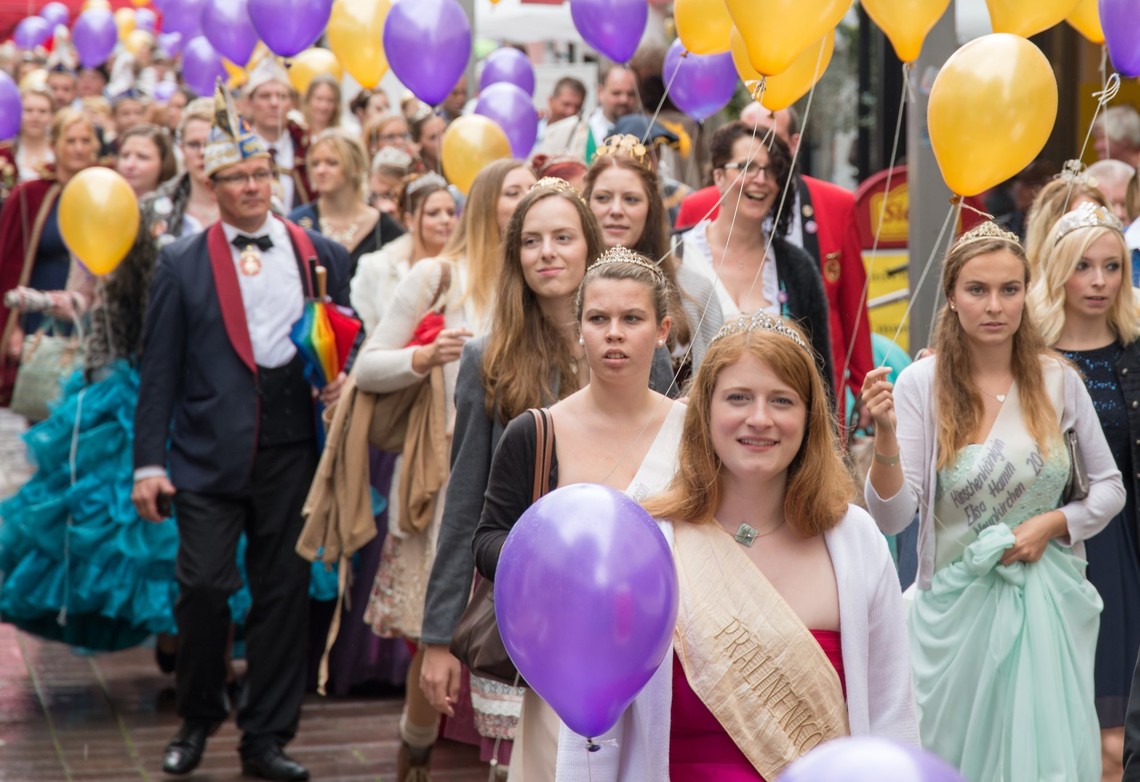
pixel 476 641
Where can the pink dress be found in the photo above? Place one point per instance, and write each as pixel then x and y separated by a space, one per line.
pixel 699 748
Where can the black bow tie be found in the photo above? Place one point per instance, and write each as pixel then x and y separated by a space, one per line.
pixel 263 242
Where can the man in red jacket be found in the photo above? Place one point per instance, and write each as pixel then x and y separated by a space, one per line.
pixel 824 225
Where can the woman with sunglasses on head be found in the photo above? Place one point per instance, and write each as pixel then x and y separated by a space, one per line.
pixel 428 212
pixel 1085 304
pixel 622 189
pixel 743 251
pixel 985 440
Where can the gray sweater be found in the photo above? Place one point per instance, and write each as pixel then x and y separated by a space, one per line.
pixel 472 447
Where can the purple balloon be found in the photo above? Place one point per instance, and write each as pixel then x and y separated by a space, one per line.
pixel 868 759
pixel 183 16
pixel 226 24
pixel 508 65
pixel 145 20
pixel 1120 20
pixel 31 32
pixel 613 27
pixel 586 601
pixel 171 43
pixel 289 27
pixel 511 108
pixel 94 36
pixel 10 107
pixel 427 43
pixel 201 66
pixel 699 85
pixel 56 14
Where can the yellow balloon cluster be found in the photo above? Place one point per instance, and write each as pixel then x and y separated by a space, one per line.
pixel 1085 18
pixel 98 218
pixel 1028 17
pixel 785 88
pixel 356 32
pixel 906 22
pixel 703 26
pixel 992 108
pixel 470 144
pixel 776 31
pixel 310 64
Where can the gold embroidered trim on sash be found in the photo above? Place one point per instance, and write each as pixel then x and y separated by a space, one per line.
pixel 749 657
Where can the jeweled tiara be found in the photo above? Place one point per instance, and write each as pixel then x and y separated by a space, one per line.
pixel 761 321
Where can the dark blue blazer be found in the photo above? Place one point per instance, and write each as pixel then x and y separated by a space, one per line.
pixel 198 383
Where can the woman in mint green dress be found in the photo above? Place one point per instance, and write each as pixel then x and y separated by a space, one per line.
pixel 1004 622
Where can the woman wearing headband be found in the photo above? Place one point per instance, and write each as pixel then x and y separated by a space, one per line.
pixel 1087 311
pixel 991 433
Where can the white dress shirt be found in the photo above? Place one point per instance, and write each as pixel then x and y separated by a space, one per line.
pixel 273 299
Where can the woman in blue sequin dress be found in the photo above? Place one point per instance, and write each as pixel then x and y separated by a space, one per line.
pixel 1087 310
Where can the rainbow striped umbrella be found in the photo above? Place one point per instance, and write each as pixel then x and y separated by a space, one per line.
pixel 324 335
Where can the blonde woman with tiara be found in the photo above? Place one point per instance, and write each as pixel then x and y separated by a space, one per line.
pixel 975 439
pixel 1087 310
pixel 1066 191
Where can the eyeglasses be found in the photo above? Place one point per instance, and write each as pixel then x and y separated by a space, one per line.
pixel 393 138
pixel 195 146
pixel 747 168
pixel 259 177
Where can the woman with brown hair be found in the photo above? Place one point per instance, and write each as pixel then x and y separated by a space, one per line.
pixel 428 211
pixel 321 105
pixel 991 436
pixel 624 193
pixel 146 158
pixel 387 131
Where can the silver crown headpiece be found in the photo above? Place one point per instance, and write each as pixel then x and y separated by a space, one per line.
pixel 1087 215
pixel 624 255
pixel 761 321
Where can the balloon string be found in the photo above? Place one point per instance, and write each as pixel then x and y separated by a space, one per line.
pixel 664 95
pixel 961 202
pixel 1109 89
pixel 955 210
pixel 907 94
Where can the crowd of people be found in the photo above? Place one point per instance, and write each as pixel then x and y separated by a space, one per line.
pixel 706 352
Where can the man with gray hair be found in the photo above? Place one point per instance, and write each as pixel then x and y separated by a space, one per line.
pixel 1111 177
pixel 1116 135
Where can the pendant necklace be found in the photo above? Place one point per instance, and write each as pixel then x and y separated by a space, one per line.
pixel 746 534
pixel 999 397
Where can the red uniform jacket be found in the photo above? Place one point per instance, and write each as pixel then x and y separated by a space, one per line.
pixel 831 236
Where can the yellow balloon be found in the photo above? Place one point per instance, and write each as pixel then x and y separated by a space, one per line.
pixel 703 26
pixel 992 108
pixel 139 3
pixel 98 218
pixel 1028 17
pixel 356 36
pixel 739 50
pixel 1085 18
pixel 125 21
pixel 784 89
pixel 775 31
pixel 906 22
pixel 138 41
pixel 310 64
pixel 469 144
pixel 97 5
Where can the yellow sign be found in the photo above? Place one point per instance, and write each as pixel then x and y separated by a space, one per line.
pixel 895 217
pixel 888 293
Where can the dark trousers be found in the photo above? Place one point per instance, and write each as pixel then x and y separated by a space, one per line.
pixel 209 526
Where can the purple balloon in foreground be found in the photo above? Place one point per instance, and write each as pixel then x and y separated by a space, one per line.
pixel 867 759
pixel 10 109
pixel 145 19
pixel 94 36
pixel 227 26
pixel 31 32
pixel 288 27
pixel 56 13
pixel 613 27
pixel 201 66
pixel 511 108
pixel 586 601
pixel 1120 20
pixel 699 85
pixel 427 44
pixel 183 16
pixel 509 65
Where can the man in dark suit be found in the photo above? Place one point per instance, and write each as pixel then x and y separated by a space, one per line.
pixel 224 402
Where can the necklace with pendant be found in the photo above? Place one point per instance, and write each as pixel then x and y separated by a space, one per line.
pixel 746 534
pixel 343 238
pixel 999 397
pixel 249 261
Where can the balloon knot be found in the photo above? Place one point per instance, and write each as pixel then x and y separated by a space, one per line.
pixel 1111 88
pixel 592 746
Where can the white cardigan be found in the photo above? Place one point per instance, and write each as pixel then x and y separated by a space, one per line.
pixel 876 664
pixel 918 448
pixel 377 276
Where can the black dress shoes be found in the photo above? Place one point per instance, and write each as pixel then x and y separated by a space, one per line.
pixel 273 764
pixel 184 751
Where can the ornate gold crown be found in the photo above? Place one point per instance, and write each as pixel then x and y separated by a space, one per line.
pixel 1087 215
pixel 627 145
pixel 621 254
pixel 761 321
pixel 986 231
pixel 558 184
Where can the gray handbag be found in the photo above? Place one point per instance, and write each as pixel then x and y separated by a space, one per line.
pixel 48 359
pixel 1078 486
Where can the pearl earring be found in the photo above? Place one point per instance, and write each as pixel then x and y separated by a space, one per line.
pixel 660 343
pixel 581 340
pixel 952 307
